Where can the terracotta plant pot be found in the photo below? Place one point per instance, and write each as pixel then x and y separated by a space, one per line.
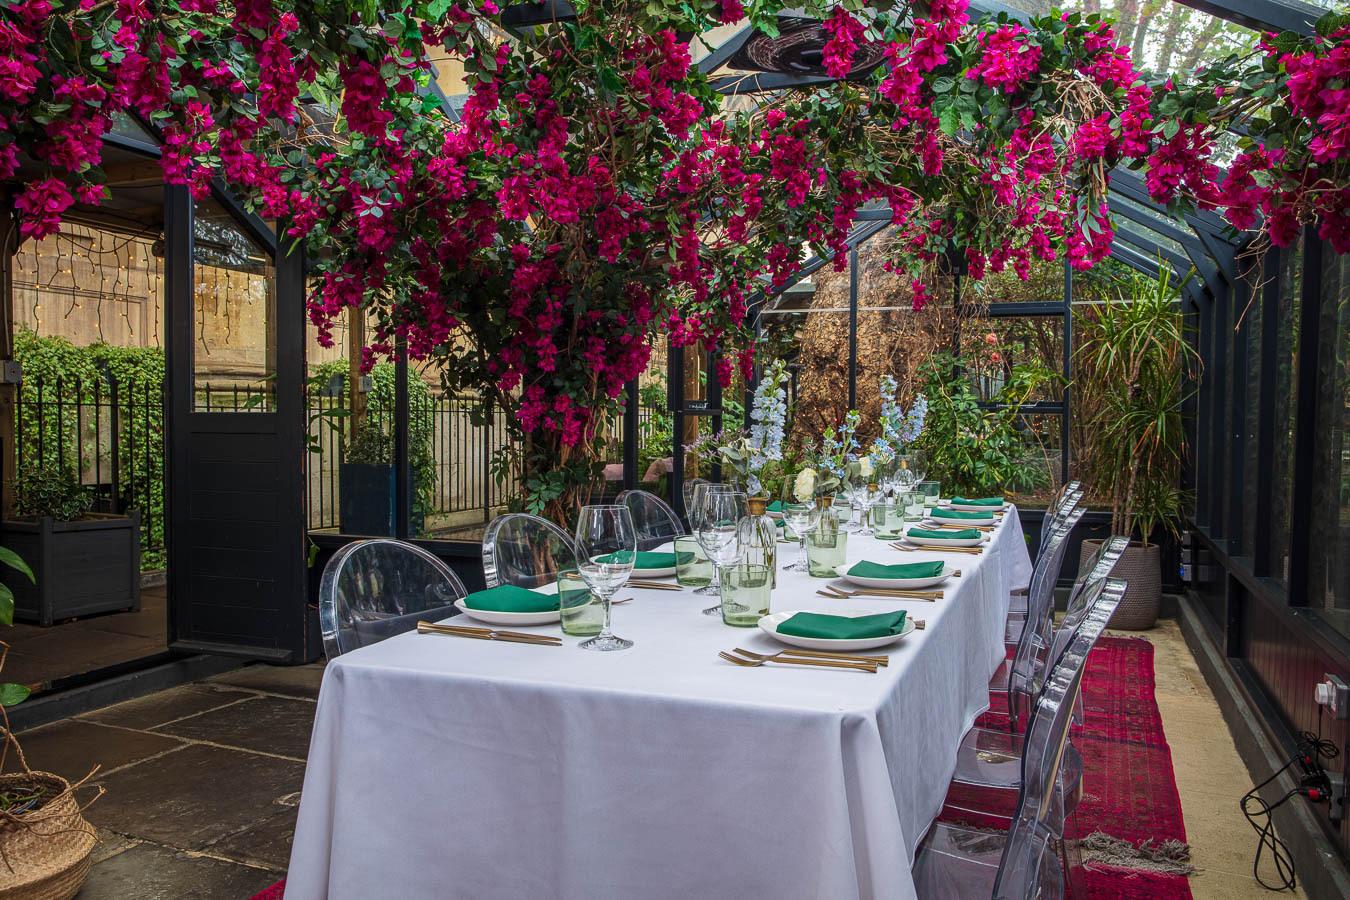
pixel 1141 566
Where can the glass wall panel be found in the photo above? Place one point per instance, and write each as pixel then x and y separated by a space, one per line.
pixel 234 341
pixel 992 347
pixel 1329 575
pixel 1253 472
pixel 1165 36
pixel 1286 395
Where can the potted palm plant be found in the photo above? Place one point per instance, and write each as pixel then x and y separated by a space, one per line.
pixel 1132 364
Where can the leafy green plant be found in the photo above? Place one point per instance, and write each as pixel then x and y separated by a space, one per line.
pixel 370 446
pixel 974 449
pixel 11 694
pixel 1131 363
pixel 50 491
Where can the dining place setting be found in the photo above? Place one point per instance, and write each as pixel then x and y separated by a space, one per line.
pixel 730 553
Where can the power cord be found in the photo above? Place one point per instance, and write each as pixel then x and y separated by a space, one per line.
pixel 1313 784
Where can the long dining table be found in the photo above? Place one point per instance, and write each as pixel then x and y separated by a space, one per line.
pixel 443 767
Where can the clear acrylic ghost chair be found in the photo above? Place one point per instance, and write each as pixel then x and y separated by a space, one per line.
pixel 526 551
pixel 1029 861
pixel 1040 610
pixel 1035 639
pixel 375 589
pixel 988 763
pixel 1065 501
pixel 655 522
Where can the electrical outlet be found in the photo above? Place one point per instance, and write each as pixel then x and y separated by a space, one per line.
pixel 1334 694
pixel 1337 797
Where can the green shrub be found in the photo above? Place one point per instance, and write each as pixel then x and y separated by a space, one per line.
pixel 50 491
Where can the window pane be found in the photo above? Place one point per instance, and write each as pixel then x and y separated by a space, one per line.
pixel 1253 472
pixel 1329 575
pixel 234 323
pixel 1165 36
pixel 1283 421
pixel 993 347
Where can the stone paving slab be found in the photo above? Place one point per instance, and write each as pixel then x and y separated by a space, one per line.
pixel 166 706
pixel 71 747
pixel 290 681
pixel 194 796
pixel 263 724
pixel 151 872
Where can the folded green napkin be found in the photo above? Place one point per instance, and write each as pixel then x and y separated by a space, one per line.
pixel 982 501
pixel 955 534
pixel 776 506
pixel 960 513
pixel 650 559
pixel 509 598
pixel 843 628
pixel 574 597
pixel 866 569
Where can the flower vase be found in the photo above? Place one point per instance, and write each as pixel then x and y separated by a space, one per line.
pixel 759 536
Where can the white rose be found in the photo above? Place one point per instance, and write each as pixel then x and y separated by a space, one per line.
pixel 805 485
pixel 865 466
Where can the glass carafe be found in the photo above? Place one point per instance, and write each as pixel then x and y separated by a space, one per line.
pixel 759 537
pixel 826 542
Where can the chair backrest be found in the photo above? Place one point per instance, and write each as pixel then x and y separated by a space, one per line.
pixel 653 519
pixel 1029 867
pixel 375 589
pixel 526 551
pixel 1097 568
pixel 1033 647
pixel 1066 500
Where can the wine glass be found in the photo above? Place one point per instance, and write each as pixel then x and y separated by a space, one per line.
pixel 701 491
pixel 719 515
pixel 799 513
pixel 606 552
pixel 855 491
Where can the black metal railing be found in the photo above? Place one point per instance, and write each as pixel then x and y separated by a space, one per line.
pixel 109 434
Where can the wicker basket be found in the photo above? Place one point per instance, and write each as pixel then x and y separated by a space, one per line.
pixel 44 854
pixel 1141 566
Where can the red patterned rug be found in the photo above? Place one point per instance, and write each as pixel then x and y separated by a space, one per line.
pixel 1129 791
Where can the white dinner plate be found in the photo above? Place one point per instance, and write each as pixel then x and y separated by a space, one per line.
pixel 940 515
pixel 944 542
pixel 769 625
pixel 901 583
pixel 508 618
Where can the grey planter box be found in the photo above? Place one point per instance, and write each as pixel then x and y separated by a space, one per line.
pixel 89 566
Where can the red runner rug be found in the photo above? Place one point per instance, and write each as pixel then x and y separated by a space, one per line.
pixel 1129 791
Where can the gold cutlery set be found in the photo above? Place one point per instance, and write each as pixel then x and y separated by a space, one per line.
pixel 837 593
pixel 488 634
pixel 795 656
pixel 969 551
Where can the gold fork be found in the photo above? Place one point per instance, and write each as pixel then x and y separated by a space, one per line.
pixel 489 634
pixel 653 585
pixel 801 661
pixel 821 654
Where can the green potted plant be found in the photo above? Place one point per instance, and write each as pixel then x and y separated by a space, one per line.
pixel 1131 363
pixel 366 496
pixel 85 562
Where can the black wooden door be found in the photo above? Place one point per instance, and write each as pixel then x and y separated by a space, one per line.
pixel 236 500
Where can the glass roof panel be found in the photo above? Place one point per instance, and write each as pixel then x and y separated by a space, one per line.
pixel 1149 236
pixel 1165 36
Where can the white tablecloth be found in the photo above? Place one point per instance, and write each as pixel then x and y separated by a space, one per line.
pixel 441 767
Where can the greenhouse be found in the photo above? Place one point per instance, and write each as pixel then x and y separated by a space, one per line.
pixel 613 449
